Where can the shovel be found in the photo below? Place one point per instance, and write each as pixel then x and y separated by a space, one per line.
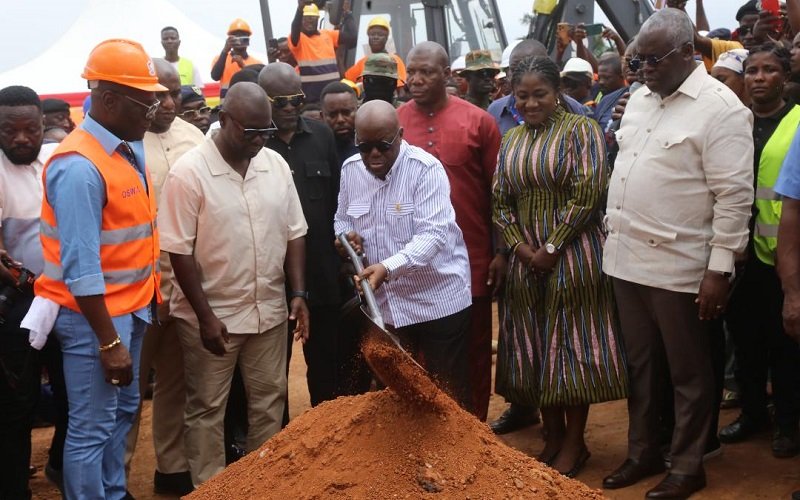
pixel 387 358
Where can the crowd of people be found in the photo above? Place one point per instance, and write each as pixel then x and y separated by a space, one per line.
pixel 633 214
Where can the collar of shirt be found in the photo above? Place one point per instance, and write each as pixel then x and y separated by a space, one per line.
pixel 221 167
pixel 690 87
pixel 111 142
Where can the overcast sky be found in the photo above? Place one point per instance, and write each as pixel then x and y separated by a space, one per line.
pixel 34 25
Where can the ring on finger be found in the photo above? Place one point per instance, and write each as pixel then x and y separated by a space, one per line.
pixel 114 381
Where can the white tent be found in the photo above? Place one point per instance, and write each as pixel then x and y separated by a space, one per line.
pixel 58 69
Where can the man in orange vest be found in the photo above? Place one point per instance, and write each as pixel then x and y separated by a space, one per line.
pixel 234 55
pixel 100 249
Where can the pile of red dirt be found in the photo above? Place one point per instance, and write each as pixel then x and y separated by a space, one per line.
pixel 381 445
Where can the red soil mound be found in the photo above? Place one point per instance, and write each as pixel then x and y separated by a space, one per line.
pixel 382 446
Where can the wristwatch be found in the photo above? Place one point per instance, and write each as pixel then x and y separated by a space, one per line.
pixel 550 248
pixel 299 293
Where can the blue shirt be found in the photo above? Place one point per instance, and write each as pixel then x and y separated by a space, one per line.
pixel 789 179
pixel 502 111
pixel 77 193
pixel 605 108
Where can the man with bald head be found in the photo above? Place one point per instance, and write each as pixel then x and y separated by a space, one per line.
pixel 166 141
pixel 465 139
pixel 229 304
pixel 309 147
pixel 394 205
pixel 679 204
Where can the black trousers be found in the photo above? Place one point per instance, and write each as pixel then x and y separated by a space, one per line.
pixel 19 393
pixel 761 347
pixel 441 346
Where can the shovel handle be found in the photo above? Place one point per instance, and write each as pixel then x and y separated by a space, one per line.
pixel 369 295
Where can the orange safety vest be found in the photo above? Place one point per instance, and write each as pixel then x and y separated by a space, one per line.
pixel 128 238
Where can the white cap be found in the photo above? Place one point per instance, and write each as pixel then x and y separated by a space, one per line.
pixel 459 64
pixel 504 59
pixel 732 60
pixel 578 65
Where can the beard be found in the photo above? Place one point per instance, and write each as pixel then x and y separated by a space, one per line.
pixel 22 155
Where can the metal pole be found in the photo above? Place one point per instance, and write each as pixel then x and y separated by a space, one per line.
pixel 266 21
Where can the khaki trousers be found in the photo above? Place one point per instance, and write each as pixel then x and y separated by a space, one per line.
pixel 262 361
pixel 162 351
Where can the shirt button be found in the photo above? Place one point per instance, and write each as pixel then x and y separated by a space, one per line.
pixel 619 207
pixel 651 242
pixel 430 143
pixel 649 130
pixel 430 114
pixel 318 172
pixel 635 154
pixel 430 129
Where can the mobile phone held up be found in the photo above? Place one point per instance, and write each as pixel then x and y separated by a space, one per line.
pixel 773 8
pixel 594 29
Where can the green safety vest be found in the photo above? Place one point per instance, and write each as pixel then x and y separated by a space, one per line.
pixel 186 71
pixel 768 203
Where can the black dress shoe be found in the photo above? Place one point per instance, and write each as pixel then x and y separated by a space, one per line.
pixel 677 486
pixel 516 417
pixel 785 443
pixel 579 463
pixel 176 483
pixel 741 429
pixel 632 471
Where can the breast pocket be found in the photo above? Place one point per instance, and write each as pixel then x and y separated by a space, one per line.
pixel 400 219
pixel 673 142
pixel 318 178
pixel 650 235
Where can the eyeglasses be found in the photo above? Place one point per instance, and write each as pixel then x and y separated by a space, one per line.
pixel 638 60
pixel 191 114
pixel 382 146
pixel 253 133
pixel 281 101
pixel 151 109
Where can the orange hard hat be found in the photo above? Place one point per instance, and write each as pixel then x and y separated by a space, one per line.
pixel 124 62
pixel 239 24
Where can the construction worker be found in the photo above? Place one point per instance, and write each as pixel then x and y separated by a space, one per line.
pixel 234 55
pixel 378 34
pixel 188 72
pixel 315 49
pixel 100 248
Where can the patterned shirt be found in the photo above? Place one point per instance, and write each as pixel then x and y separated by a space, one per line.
pixel 408 224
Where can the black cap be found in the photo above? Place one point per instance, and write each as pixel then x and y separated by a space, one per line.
pixel 190 93
pixel 54 106
pixel 750 7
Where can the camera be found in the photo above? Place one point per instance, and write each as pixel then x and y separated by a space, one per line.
pixel 9 294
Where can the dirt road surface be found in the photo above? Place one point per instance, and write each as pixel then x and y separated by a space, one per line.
pixel 743 471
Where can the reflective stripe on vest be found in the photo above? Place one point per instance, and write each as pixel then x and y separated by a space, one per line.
pixel 186 71
pixel 768 204
pixel 129 251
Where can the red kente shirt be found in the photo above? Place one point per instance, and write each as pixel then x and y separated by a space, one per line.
pixel 466 140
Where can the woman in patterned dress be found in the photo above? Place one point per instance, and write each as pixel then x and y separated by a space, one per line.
pixel 548 189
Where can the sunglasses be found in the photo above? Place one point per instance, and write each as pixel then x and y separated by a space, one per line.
pixel 638 60
pixel 191 114
pixel 241 40
pixel 151 109
pixel 253 133
pixel 486 73
pixel 381 146
pixel 281 101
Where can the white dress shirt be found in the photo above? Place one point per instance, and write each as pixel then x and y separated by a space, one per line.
pixel 408 224
pixel 680 196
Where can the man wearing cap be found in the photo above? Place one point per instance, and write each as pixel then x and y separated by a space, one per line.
pixel 378 31
pixel 380 78
pixel 55 113
pixel 466 140
pixel 100 248
pixel 315 49
pixel 187 71
pixel 234 55
pixel 166 141
pixel 577 77
pixel 194 108
pixel 480 71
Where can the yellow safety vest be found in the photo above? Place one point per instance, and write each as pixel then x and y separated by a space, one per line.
pixel 768 204
pixel 186 71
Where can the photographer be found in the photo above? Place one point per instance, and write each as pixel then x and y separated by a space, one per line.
pixel 234 55
pixel 21 161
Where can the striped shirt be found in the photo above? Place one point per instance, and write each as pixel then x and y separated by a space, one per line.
pixel 408 224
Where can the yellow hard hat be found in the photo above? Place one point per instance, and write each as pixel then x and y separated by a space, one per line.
pixel 239 25
pixel 311 10
pixel 379 21
pixel 124 62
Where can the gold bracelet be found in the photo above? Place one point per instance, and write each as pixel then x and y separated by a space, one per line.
pixel 110 345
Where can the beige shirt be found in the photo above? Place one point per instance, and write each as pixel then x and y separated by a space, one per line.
pixel 680 196
pixel 161 151
pixel 237 229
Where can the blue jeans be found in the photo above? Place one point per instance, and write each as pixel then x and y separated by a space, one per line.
pixel 100 414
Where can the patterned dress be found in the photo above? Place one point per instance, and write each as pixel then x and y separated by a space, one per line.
pixel 561 347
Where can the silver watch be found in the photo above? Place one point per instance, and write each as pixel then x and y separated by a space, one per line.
pixel 550 248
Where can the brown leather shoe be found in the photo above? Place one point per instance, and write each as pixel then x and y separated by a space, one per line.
pixel 631 472
pixel 678 486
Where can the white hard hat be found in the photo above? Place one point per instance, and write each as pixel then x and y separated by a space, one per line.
pixel 459 64
pixel 504 60
pixel 578 65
